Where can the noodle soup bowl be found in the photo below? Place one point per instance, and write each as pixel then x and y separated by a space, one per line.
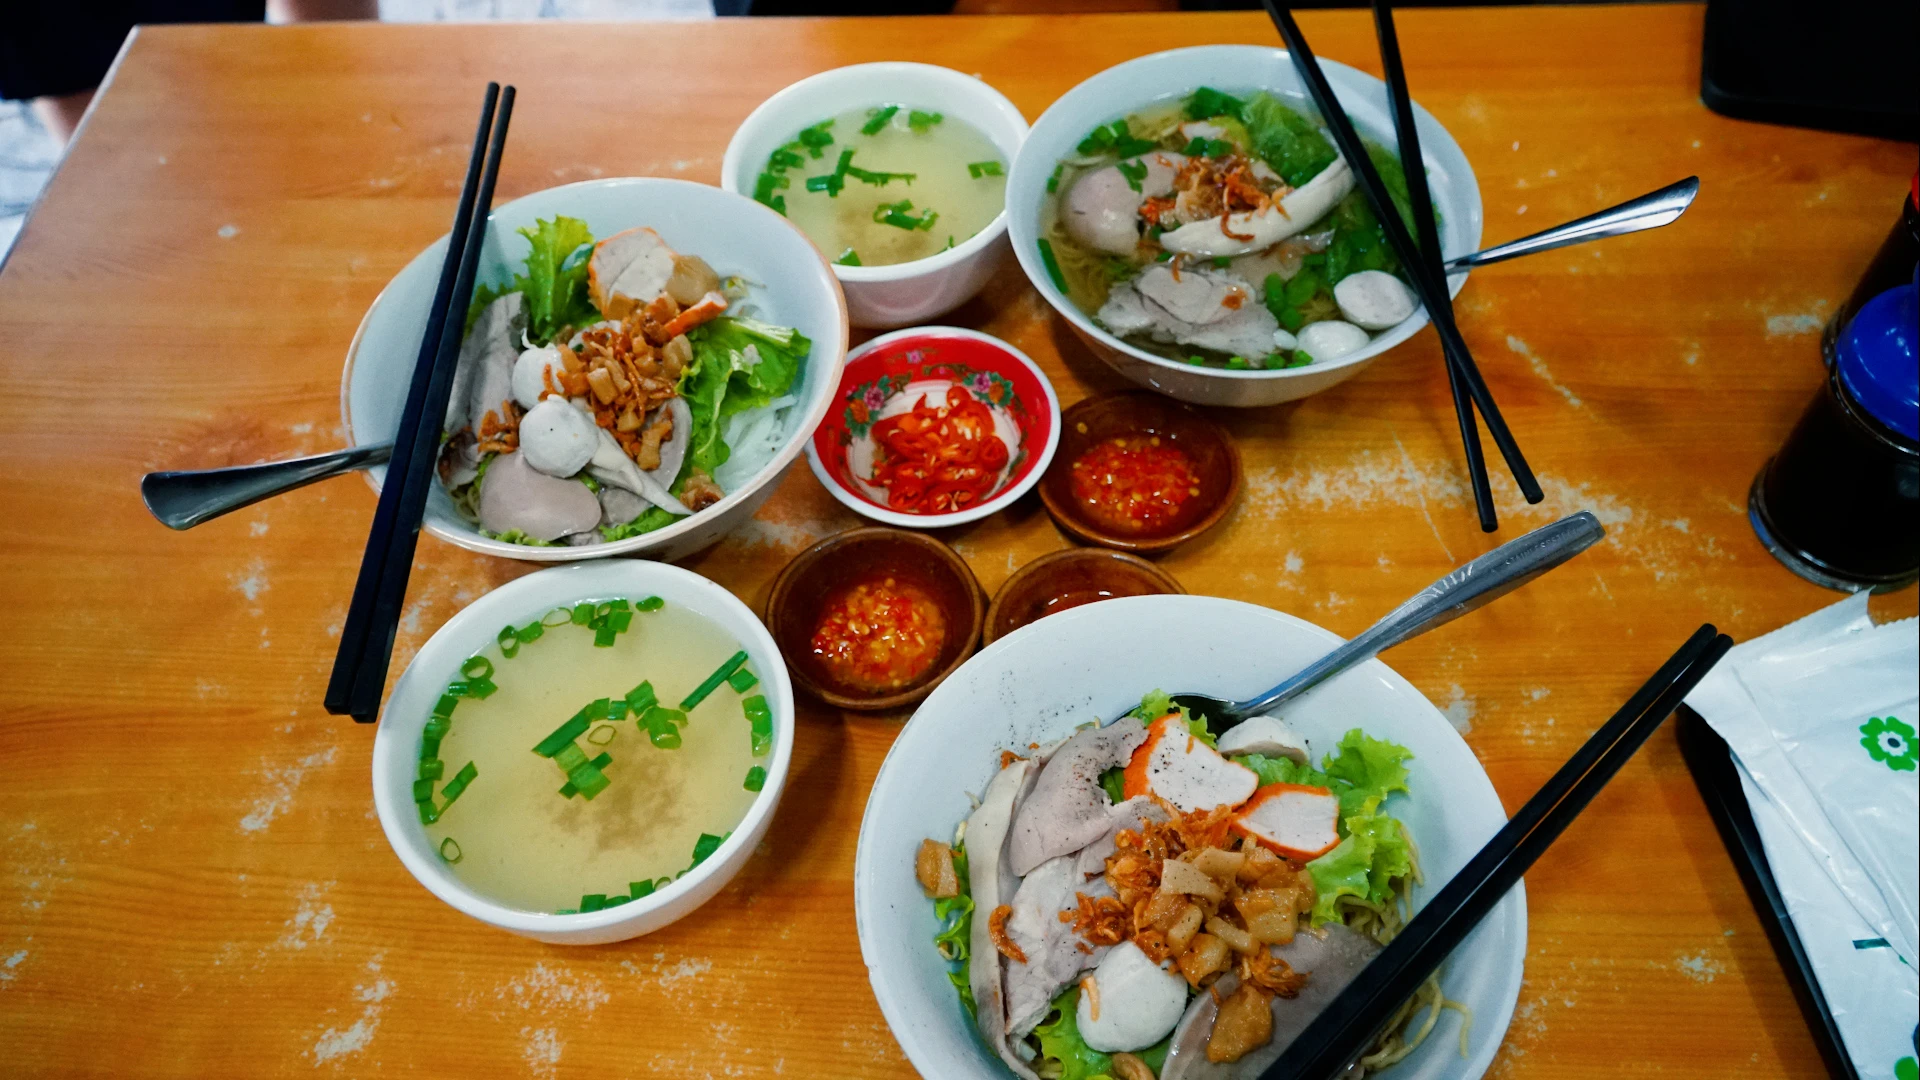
pixel 396 744
pixel 903 294
pixel 1040 682
pixel 792 285
pixel 1168 76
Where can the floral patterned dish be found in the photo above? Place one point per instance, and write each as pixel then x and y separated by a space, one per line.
pixel 892 373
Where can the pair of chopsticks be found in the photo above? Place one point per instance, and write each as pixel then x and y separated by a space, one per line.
pixel 1422 262
pixel 366 639
pixel 1348 1025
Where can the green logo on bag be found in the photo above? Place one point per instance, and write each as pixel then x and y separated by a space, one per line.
pixel 1906 1069
pixel 1890 741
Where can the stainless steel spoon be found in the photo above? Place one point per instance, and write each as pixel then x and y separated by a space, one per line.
pixel 1649 211
pixel 184 499
pixel 1467 588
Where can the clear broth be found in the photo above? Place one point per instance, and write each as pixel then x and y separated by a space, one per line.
pixel 938 157
pixel 524 845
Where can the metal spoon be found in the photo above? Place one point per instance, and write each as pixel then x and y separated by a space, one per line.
pixel 1649 211
pixel 1467 588
pixel 184 499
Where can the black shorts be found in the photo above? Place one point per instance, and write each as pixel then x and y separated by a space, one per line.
pixel 52 47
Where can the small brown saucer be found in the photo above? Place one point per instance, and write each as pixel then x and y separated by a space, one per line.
pixel 1067 579
pixel 1098 419
pixel 805 585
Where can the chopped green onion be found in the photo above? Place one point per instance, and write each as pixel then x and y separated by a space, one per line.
pixel 589 782
pixel 570 757
pixel 445 706
pixel 438 727
pixel 602 761
pixel 563 735
pixel 756 779
pixel 1133 172
pixel 530 632
pixel 477 667
pixel 431 769
pixel 742 680
pixel 921 121
pixel 641 698
pixel 1300 359
pixel 978 169
pixel 1165 256
pixel 761 744
pixel 849 257
pixel 638 889
pixel 422 790
pixel 784 159
pixel 458 784
pixel 759 723
pixel 604 637
pixel 1238 363
pixel 568 791
pixel 450 850
pixel 764 188
pixel 428 815
pixel 429 747
pixel 481 688
pixel 602 735
pixel 877 179
pixel 593 901
pixel 1207 102
pixel 651 603
pixel 557 617
pixel 661 730
pixel 596 709
pixel 1197 361
pixel 566 911
pixel 1221 261
pixel 620 620
pixel 509 640
pixel 949 246
pixel 877 119
pixel 1053 266
pixel 714 680
pixel 705 846
pixel 617 709
pixel 617 900
pixel 582 613
pixel 816 138
pixel 1053 182
pixel 460 688
pixel 1213 148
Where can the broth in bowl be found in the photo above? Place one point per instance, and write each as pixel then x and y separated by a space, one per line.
pixel 1224 229
pixel 592 756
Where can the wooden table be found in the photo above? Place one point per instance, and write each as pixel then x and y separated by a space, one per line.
pixel 192 881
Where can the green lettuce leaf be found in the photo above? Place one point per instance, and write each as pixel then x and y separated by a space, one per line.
pixel 1374 850
pixel 1158 703
pixel 654 518
pixel 1365 771
pixel 555 282
pixel 704 386
pixel 1272 770
pixel 1288 141
pixel 725 379
pixel 1364 864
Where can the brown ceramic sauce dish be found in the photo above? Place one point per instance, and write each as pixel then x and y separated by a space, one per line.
pixel 1068 579
pixel 1207 446
pixel 807 587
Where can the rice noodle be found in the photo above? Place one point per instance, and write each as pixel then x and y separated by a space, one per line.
pixel 753 437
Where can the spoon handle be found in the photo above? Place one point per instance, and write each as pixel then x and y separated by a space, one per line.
pixel 184 499
pixel 1649 211
pixel 1467 588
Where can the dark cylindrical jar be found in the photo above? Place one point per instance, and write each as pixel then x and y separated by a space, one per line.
pixel 1892 265
pixel 1840 503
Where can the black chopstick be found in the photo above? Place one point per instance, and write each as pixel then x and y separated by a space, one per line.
pixel 1347 1026
pixel 1432 290
pixel 365 643
pixel 1413 163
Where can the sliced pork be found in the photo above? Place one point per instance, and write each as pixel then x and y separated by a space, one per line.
pixel 516 497
pixel 1055 954
pixel 1068 809
pixel 1204 308
pixel 993 884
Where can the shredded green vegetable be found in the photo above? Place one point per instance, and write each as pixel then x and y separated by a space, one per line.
pixel 713 681
pixel 877 119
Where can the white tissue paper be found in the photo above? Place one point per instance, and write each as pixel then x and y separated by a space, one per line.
pixel 1820 716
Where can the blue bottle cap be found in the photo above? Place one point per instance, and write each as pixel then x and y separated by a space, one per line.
pixel 1878 361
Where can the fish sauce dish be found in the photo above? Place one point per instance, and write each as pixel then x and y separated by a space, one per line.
pixel 1190 217
pixel 641 361
pixel 1115 889
pixel 1224 229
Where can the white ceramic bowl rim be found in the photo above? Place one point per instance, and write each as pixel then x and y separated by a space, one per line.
pixel 801 431
pixel 476 626
pixel 1345 80
pixel 1002 498
pixel 1040 681
pixel 736 172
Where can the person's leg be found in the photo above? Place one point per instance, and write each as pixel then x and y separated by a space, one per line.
pixel 284 11
pixel 61 114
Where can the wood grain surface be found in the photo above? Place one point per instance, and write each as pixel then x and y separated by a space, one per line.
pixel 192 882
